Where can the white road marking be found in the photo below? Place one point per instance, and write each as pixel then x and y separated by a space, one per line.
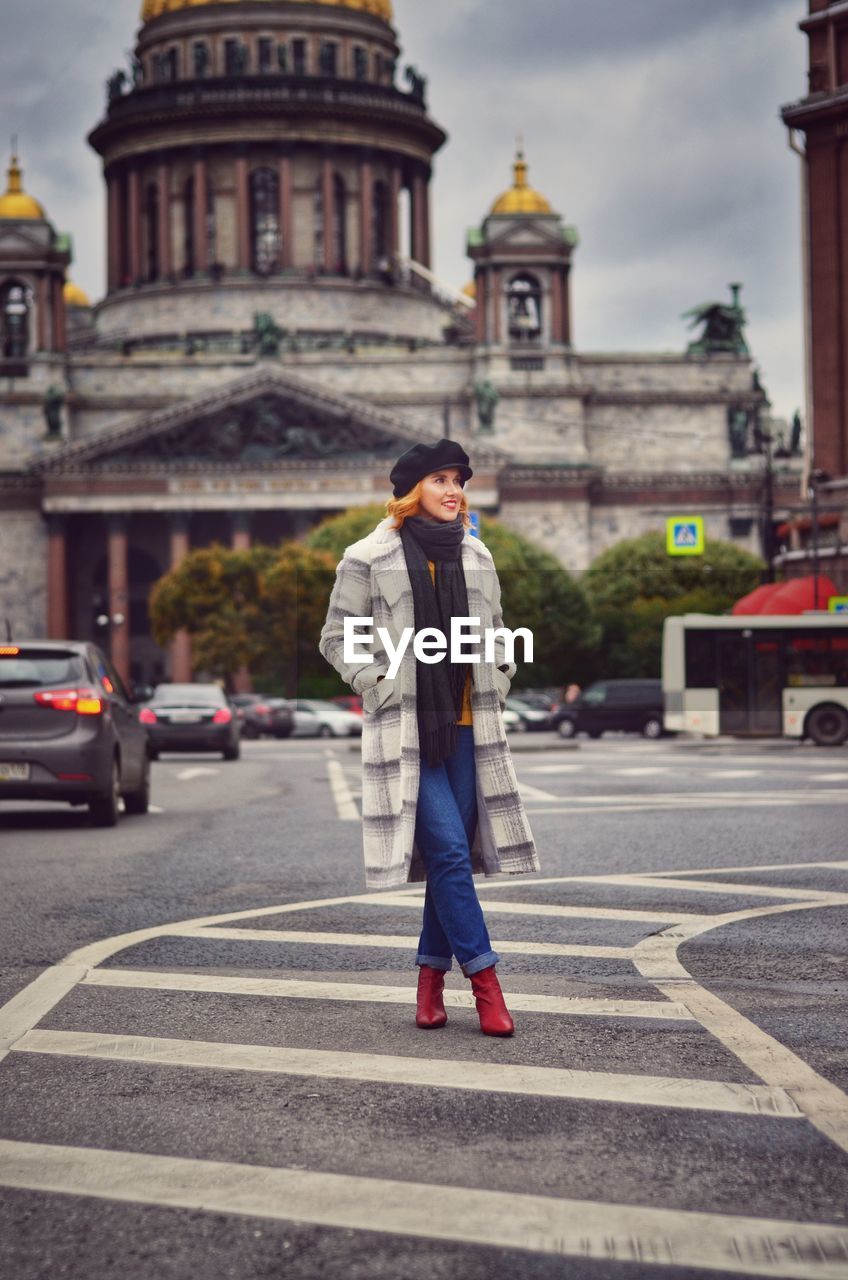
pixel 491 1219
pixel 534 793
pixel 30 1005
pixel 644 771
pixel 672 801
pixel 829 777
pixel 824 1105
pixel 680 1093
pixel 345 803
pixel 735 773
pixel 540 909
pixel 370 993
pixel 154 808
pixel 549 768
pixel 390 941
pixel 188 775
pixel 729 887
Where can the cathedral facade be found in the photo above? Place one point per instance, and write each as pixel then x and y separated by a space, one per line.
pixel 273 335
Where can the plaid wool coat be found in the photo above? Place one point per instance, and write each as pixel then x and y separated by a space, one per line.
pixel 372 581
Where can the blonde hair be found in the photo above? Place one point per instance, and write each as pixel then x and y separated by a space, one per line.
pixel 410 505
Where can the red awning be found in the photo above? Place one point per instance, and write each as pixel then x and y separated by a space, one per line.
pixel 753 602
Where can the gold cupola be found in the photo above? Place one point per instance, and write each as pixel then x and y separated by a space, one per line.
pixel 521 197
pixel 15 203
pixel 75 296
pixel 155 8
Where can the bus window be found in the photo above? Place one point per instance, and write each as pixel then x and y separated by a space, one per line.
pixel 701 660
pixel 813 660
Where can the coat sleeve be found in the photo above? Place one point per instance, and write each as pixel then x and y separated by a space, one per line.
pixel 350 598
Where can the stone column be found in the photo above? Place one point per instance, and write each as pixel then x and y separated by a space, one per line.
pixel 394 210
pixel 366 216
pixel 60 336
pixel 119 595
pixel 427 259
pixel 134 221
pixel 556 305
pixel 58 626
pixel 42 302
pixel 181 666
pixel 497 306
pixel 287 211
pixel 166 256
pixel 241 541
pixel 329 212
pixel 419 226
pixel 482 303
pixel 566 305
pixel 242 214
pixel 114 253
pixel 201 213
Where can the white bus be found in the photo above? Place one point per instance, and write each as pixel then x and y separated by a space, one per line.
pixel 772 676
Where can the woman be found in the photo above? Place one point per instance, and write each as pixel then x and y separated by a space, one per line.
pixel 439 799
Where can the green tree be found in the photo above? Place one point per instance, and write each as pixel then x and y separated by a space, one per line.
pixel 634 585
pixel 262 609
pixel 335 534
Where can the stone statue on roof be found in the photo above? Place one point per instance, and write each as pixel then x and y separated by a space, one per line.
pixel 723 331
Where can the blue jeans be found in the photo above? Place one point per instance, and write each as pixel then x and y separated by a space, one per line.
pixel 445 823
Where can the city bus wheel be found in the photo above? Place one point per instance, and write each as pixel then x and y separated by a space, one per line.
pixel 828 725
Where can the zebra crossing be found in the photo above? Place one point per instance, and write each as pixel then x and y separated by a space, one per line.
pixel 92 1009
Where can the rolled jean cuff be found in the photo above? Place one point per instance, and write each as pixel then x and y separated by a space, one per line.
pixel 485 961
pixel 435 962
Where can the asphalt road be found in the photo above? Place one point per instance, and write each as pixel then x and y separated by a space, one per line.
pixel 237 1088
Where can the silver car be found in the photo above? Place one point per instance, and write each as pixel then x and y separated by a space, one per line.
pixel 314 718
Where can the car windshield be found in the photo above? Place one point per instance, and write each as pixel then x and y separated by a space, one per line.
pixel 34 669
pixel 193 695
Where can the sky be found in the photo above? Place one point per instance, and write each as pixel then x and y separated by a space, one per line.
pixel 651 125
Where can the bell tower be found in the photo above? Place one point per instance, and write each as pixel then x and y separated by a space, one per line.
pixel 522 259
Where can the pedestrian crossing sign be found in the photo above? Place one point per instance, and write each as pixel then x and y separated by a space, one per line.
pixel 685 536
pixel 838 604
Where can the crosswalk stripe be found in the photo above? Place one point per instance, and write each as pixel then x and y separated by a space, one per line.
pixel 345 804
pixel 714 886
pixel 549 909
pixel 295 989
pixel 390 941
pixel 681 1093
pixel 643 771
pixel 618 1233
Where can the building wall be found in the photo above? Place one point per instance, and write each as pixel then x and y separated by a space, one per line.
pixel 23 574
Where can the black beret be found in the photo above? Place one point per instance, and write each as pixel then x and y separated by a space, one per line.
pixel 423 459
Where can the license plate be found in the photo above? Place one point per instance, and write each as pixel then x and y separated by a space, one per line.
pixel 185 717
pixel 13 772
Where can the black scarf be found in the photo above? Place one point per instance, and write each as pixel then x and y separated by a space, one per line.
pixel 440 685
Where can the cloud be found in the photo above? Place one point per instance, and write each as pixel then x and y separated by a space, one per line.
pixel 653 126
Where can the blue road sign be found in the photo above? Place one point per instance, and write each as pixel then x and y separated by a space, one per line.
pixel 475 524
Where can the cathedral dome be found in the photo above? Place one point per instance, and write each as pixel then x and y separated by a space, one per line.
pixel 155 8
pixel 15 203
pixel 75 296
pixel 521 198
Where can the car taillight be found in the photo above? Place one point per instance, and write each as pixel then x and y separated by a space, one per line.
pixel 222 716
pixel 261 709
pixel 146 716
pixel 84 702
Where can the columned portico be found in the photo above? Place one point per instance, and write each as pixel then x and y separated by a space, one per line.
pixel 57 579
pixel 119 595
pixel 181 666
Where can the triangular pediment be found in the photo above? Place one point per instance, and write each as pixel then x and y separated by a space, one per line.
pixel 270 419
pixel 528 235
pixel 15 241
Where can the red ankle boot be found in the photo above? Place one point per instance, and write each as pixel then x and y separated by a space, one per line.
pixel 494 1016
pixel 431 1006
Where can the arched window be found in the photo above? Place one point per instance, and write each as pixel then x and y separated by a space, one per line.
pixel 189 250
pixel 524 302
pixel 339 225
pixel 265 220
pixel 14 316
pixel 151 230
pixel 381 222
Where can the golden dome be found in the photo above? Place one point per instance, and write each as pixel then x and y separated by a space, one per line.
pixel 75 296
pixel 521 198
pixel 155 8
pixel 16 203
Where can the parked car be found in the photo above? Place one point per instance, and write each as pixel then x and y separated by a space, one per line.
pixel 315 718
pixel 70 730
pixel 631 706
pixel 512 721
pixel 532 718
pixel 191 717
pixel 349 702
pixel 258 715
